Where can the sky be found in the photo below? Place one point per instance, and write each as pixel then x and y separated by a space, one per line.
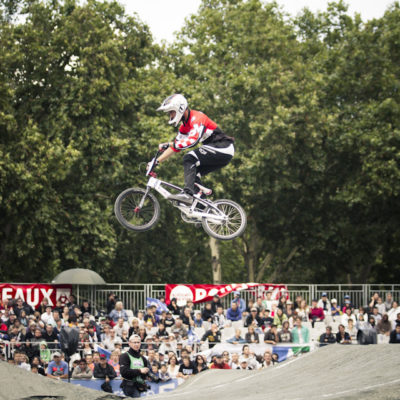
pixel 165 17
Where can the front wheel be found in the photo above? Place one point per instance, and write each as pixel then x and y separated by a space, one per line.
pixel 131 215
pixel 233 224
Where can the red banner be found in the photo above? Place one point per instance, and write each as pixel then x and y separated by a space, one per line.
pixel 34 293
pixel 202 293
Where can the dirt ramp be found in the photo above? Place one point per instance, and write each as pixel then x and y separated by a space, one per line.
pixel 332 372
pixel 18 384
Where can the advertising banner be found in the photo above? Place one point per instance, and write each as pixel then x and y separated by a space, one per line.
pixel 34 293
pixel 201 293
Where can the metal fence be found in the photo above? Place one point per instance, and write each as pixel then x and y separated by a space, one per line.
pixel 134 295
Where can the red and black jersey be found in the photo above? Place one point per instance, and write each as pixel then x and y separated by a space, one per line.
pixel 197 128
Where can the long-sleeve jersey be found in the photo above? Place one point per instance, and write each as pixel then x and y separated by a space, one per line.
pixel 197 128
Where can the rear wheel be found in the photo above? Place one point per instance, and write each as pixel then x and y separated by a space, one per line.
pixel 233 224
pixel 129 213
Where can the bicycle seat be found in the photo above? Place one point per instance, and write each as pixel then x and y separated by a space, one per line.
pixel 204 190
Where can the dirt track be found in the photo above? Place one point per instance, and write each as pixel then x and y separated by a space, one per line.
pixel 332 372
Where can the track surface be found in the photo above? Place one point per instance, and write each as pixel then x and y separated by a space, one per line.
pixel 331 372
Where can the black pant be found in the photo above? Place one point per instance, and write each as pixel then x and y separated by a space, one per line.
pixel 201 162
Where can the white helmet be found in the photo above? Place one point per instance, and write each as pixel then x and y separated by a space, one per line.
pixel 176 103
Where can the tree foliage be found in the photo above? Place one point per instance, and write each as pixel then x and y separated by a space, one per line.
pixel 313 103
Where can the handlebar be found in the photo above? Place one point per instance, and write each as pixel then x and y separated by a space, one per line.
pixel 154 160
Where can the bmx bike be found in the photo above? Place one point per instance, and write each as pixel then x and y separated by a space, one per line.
pixel 138 209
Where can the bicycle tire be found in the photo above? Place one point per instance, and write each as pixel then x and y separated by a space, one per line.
pixel 126 205
pixel 227 230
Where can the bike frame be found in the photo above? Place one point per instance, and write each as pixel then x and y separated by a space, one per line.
pixel 190 211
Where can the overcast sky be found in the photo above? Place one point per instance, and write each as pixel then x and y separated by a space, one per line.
pixel 167 16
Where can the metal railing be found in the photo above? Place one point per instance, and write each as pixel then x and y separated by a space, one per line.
pixel 134 295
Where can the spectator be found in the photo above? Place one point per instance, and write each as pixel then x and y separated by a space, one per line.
pixel 82 371
pixel 200 364
pixel 267 320
pixel 198 321
pixel 173 307
pixel 303 311
pixel 86 307
pixel 45 353
pixel 111 301
pixel 23 318
pixel 57 369
pixel 213 336
pixel 380 305
pixel 335 310
pixel 109 342
pixel 240 303
pixel 271 337
pixel 374 300
pixel 388 301
pixel 179 328
pixel 186 369
pixel 279 318
pixel 237 338
pixel 114 361
pixel 162 331
pixel 169 320
pixel 65 315
pixel 342 336
pixel 22 306
pixel 289 311
pixel 267 360
pixel 219 317
pixel 151 317
pixel 50 335
pixel 253 318
pixel 251 360
pixel 234 363
pixel 89 361
pixel 134 328
pixel 366 331
pixel 234 313
pixel 347 303
pixel 219 363
pixel 215 303
pixel 282 302
pixel 395 335
pixel 259 303
pixel 207 313
pixel 325 304
pixel 285 335
pixel 20 360
pixel 297 302
pixel 351 329
pixel 376 315
pixel 301 335
pixel 328 337
pixel 383 329
pixel 267 302
pixel 347 316
pixel 120 326
pixel 36 362
pixel 186 317
pixel 250 305
pixel 134 369
pixel 394 311
pixel 173 367
pixel 396 321
pixel 164 374
pixel 154 375
pixel 316 313
pixel 103 370
pixel 243 364
pixel 251 335
pixel 118 312
pixel 142 333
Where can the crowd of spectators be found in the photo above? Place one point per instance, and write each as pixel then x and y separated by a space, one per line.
pixel 173 338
